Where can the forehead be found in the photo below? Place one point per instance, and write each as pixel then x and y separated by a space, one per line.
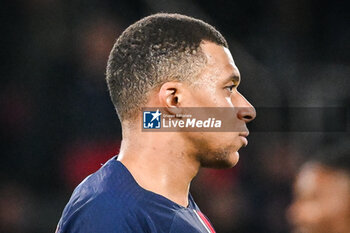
pixel 318 179
pixel 219 61
pixel 307 179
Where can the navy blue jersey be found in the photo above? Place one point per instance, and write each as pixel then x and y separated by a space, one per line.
pixel 110 201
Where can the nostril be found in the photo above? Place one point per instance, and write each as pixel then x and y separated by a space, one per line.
pixel 246 114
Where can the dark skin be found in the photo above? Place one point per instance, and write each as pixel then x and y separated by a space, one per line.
pixel 166 162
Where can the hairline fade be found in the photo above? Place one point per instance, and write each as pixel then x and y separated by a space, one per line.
pixel 156 49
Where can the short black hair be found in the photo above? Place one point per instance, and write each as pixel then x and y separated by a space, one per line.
pixel 156 49
pixel 335 156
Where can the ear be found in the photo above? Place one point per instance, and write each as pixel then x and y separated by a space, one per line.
pixel 171 95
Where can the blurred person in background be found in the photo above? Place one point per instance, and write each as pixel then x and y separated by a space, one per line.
pixel 16 208
pixel 322 193
pixel 170 61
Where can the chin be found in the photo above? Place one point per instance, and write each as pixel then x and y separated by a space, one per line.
pixel 233 159
pixel 221 160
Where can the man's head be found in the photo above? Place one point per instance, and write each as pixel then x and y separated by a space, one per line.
pixel 171 60
pixel 322 193
pixel 154 50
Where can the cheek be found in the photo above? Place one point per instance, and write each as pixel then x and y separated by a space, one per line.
pixel 228 139
pixel 309 212
pixel 209 96
pixel 336 206
pixel 223 140
pixel 320 214
pixel 201 97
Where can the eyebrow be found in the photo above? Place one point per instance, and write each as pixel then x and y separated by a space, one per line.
pixel 233 77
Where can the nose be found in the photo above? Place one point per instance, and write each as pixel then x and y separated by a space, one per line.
pixel 246 111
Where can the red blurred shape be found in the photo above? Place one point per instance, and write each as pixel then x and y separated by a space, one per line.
pixel 85 157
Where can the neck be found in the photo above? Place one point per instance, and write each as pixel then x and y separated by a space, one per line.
pixel 160 162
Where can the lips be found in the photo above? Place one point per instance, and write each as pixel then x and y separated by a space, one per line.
pixel 243 136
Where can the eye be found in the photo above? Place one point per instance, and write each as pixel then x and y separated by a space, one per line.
pixel 231 87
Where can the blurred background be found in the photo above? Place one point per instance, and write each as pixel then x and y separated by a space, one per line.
pixel 58 124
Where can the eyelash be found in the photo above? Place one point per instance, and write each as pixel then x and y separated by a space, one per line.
pixel 230 88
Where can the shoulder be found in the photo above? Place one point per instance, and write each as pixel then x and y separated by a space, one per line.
pixel 111 201
pixel 106 213
pixel 100 216
pixel 106 201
